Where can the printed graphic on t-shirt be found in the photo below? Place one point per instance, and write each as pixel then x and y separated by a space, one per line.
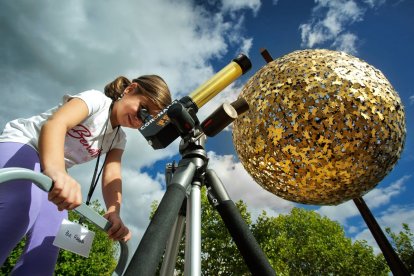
pixel 82 133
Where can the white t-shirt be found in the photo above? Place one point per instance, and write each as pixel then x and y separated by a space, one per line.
pixel 83 142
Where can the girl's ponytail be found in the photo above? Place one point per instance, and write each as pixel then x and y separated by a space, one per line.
pixel 115 89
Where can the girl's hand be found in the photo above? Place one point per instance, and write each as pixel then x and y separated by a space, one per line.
pixel 118 230
pixel 66 192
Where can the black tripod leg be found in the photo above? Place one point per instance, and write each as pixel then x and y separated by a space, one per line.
pixel 253 255
pixel 149 252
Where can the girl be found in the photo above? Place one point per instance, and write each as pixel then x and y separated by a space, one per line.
pixel 80 129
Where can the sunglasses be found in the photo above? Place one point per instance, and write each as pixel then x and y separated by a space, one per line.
pixel 144 115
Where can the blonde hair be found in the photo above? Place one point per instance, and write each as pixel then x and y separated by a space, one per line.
pixel 151 86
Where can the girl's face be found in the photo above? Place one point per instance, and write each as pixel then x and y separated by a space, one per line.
pixel 125 111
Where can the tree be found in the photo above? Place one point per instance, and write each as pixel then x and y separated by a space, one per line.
pixel 101 260
pixel 221 256
pixel 403 244
pixel 300 243
pixel 305 243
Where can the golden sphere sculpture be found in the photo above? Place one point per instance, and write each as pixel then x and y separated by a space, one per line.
pixel 323 127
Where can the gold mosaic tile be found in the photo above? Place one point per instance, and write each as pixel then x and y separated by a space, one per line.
pixel 323 127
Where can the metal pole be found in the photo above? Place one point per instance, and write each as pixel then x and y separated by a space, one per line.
pixel 396 265
pixel 173 245
pixel 266 55
pixel 193 232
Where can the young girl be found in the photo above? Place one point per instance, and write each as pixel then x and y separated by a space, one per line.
pixel 80 129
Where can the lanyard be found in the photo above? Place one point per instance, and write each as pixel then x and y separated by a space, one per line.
pixel 95 178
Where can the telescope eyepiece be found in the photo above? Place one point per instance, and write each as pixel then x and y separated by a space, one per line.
pixel 144 115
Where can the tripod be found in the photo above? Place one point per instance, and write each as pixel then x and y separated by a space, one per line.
pixel 184 182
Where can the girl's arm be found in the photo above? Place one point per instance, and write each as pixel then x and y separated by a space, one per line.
pixel 112 194
pixel 66 192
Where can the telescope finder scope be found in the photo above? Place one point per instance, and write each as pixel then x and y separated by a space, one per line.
pixel 161 131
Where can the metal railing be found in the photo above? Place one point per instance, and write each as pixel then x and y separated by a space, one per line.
pixel 45 183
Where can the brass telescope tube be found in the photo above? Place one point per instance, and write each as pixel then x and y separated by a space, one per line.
pixel 220 80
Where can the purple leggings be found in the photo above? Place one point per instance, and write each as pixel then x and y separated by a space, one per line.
pixel 26 211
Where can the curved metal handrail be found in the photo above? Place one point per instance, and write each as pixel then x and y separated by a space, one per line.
pixel 45 183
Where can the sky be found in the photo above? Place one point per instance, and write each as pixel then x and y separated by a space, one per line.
pixel 52 48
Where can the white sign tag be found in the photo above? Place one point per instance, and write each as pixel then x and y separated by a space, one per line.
pixel 75 238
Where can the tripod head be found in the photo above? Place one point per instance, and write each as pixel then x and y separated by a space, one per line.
pixel 193 133
pixel 179 119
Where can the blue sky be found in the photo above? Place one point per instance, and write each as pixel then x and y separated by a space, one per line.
pixel 51 48
pixel 378 32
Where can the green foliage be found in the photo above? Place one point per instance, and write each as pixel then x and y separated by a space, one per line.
pixel 221 256
pixel 403 244
pixel 300 243
pixel 101 260
pixel 12 259
pixel 304 243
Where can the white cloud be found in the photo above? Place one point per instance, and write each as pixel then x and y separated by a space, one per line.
pixel 246 45
pixel 138 153
pixel 366 235
pixel 240 185
pixel 374 3
pixel 329 22
pixel 336 15
pixel 411 99
pixel 353 229
pixel 392 218
pixel 340 213
pixel 50 48
pixel 376 198
pixel 236 5
pixel 51 53
pixel 139 191
pixel 346 42
pixel 382 196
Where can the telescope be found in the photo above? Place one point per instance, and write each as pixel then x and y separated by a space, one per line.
pixel 179 118
pixel 181 204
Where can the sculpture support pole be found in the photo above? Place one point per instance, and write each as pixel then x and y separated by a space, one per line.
pixel 266 55
pixel 394 262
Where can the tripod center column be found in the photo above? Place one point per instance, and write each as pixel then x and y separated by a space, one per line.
pixel 193 231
